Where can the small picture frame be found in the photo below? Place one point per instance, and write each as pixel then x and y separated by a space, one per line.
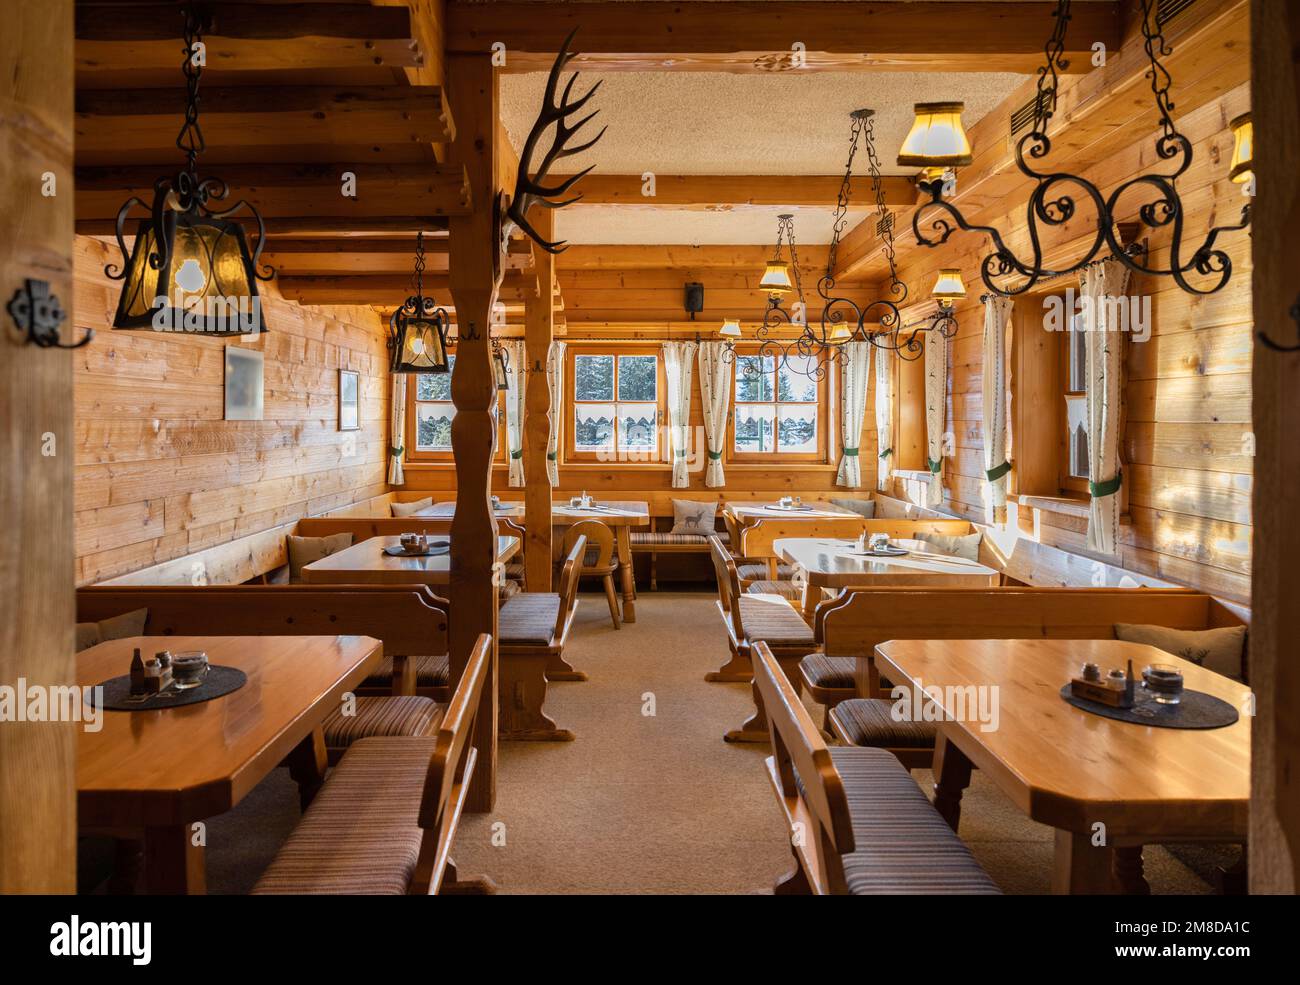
pixel 243 390
pixel 349 400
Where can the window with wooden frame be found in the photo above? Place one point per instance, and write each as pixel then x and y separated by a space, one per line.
pixel 615 403
pixel 1073 461
pixel 429 412
pixel 778 413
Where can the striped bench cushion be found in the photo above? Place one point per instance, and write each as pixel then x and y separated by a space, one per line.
pixel 405 715
pixel 528 618
pixel 752 570
pixel 361 833
pixel 867 722
pixel 653 538
pixel 773 619
pixel 820 670
pixel 785 589
pixel 429 672
pixel 515 570
pixel 902 845
pixel 508 590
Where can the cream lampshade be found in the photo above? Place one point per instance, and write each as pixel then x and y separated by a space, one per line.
pixel 937 138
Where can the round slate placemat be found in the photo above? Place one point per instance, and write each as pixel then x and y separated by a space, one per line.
pixel 220 681
pixel 1196 710
pixel 437 547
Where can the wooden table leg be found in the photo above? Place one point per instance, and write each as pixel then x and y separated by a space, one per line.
pixel 952 776
pixel 173 863
pixel 1129 872
pixel 307 764
pixel 1080 867
pixel 812 594
pixel 623 542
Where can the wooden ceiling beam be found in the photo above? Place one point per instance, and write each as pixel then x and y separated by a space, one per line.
pixel 713 191
pixel 248 36
pixel 727 35
pixel 659 257
pixel 297 257
pixel 376 289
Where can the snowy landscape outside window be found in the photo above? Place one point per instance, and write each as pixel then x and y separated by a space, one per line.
pixel 777 409
pixel 616 406
pixel 429 415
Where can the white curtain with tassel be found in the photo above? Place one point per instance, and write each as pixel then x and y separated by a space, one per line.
pixel 715 388
pixel 855 373
pixel 397 432
pixel 997 317
pixel 516 377
pixel 884 417
pixel 555 385
pixel 936 384
pixel 1105 362
pixel 678 358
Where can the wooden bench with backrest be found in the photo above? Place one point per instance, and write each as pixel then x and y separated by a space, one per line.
pixel 532 630
pixel 853 624
pixel 859 824
pixel 408 620
pixel 385 819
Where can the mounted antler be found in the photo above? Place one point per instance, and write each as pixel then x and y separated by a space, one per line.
pixel 529 190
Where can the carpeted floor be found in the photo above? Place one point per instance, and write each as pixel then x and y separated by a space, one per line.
pixel 648 799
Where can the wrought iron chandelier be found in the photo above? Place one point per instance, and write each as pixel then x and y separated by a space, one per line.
pixel 190 269
pixel 1050 205
pixel 843 320
pixel 780 278
pixel 417 331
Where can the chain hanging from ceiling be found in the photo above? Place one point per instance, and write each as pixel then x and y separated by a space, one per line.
pixel 1050 205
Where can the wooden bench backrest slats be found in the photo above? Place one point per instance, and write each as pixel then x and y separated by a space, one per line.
pixel 1044 566
pixel 759 537
pixel 232 563
pixel 450 770
pixel 363 528
pixel 798 747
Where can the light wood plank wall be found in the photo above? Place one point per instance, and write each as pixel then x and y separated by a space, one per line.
pixel 160 474
pixel 1187 443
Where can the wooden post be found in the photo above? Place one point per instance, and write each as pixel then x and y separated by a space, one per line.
pixel 37 759
pixel 1275 578
pixel 539 329
pixel 475 278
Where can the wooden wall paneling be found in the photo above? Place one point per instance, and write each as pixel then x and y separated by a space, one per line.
pixel 539 331
pixel 1275 631
pixel 475 270
pixel 910 449
pixel 37 759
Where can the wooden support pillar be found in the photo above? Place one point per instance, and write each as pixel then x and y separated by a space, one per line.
pixel 1275 580
pixel 539 329
pixel 475 274
pixel 37 449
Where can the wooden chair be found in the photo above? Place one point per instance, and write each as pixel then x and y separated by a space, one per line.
pixel 860 824
pixel 599 561
pixel 532 629
pixel 385 819
pixel 512 581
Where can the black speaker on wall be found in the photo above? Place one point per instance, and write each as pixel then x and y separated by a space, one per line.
pixel 694 298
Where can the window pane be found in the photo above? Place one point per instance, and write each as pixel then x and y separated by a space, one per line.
pixel 637 426
pixel 593 377
pixel 792 384
pixel 754 432
pixel 434 386
pixel 798 429
pixel 1078 357
pixel 754 378
pixel 593 427
pixel 638 377
pixel 433 426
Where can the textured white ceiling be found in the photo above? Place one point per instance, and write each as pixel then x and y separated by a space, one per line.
pixel 716 123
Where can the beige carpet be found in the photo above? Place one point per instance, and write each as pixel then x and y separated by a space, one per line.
pixel 646 803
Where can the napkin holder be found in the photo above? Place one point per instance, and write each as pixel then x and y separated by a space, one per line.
pixel 1090 687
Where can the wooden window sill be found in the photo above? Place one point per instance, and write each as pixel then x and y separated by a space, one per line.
pixel 1075 506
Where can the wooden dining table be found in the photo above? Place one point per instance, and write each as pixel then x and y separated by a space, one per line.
pixel 749 512
pixel 159 774
pixel 621 516
pixel 1108 787
pixel 447 509
pixel 824 563
pixel 365 563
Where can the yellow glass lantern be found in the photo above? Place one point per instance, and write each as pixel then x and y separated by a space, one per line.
pixel 937 138
pixel 1243 149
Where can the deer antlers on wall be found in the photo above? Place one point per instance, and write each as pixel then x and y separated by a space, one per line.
pixel 530 190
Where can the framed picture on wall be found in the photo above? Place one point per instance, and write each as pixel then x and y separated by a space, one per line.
pixel 349 400
pixel 243 384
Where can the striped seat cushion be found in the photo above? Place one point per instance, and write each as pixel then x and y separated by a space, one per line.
pixel 361 833
pixel 653 538
pixel 509 589
pixel 429 672
pixel 785 589
pixel 757 570
pixel 902 845
pixel 515 570
pixel 867 722
pixel 405 715
pixel 820 670
pixel 773 619
pixel 528 618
